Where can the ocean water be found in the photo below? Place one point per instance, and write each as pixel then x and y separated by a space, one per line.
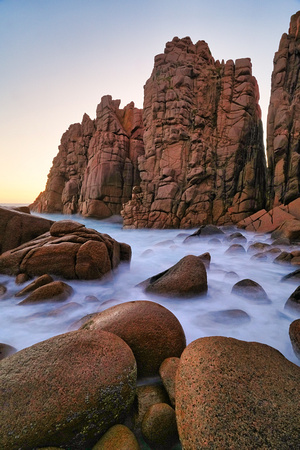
pixel 154 251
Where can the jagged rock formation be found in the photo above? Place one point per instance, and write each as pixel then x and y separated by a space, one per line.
pixel 96 166
pixel 283 145
pixel 204 157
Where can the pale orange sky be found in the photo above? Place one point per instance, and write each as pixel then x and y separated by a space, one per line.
pixel 58 58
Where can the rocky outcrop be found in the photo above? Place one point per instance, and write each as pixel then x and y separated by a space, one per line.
pixel 283 145
pixel 204 156
pixel 69 250
pixel 18 227
pixel 96 165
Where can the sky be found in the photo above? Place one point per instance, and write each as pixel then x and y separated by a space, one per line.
pixel 59 57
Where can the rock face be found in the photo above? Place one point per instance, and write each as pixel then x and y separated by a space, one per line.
pixel 66 391
pixel 69 250
pixel 283 147
pixel 96 166
pixel 204 156
pixel 236 394
pixel 17 227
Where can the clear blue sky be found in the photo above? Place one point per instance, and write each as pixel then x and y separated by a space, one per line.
pixel 59 57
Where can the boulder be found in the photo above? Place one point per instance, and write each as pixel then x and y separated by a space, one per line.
pixel 118 437
pixel 203 231
pixel 235 249
pixel 3 290
pixel 56 291
pixel 236 394
pixel 18 227
pixel 146 396
pixel 38 282
pixel 66 391
pixel 167 372
pixel 69 250
pixel 6 350
pixel 151 331
pixel 230 317
pixel 187 278
pixel 289 230
pixel 159 427
pixel 283 258
pixel 250 289
pixel 294 332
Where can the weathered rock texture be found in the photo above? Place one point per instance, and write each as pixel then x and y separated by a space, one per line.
pixel 204 158
pixel 68 250
pixel 17 227
pixel 96 166
pixel 66 391
pixel 283 145
pixel 234 394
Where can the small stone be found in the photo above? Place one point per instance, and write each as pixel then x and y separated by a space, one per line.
pixel 6 350
pixel 118 437
pixel 159 426
pixel 293 302
pixel 249 289
pixel 40 281
pixel 167 372
pixel 294 332
pixel 235 249
pixel 57 291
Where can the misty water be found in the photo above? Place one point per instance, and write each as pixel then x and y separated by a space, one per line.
pixel 153 251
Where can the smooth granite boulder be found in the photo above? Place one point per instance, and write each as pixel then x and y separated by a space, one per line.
pixel 66 391
pixel 152 332
pixel 236 394
pixel 187 278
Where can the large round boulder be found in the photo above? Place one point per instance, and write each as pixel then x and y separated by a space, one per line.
pixel 151 331
pixel 236 394
pixel 66 391
pixel 187 278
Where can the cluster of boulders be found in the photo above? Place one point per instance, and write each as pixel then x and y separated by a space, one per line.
pixel 87 388
pixel 68 250
pixel 124 377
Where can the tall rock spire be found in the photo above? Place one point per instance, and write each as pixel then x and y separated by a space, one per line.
pixel 283 129
pixel 204 157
